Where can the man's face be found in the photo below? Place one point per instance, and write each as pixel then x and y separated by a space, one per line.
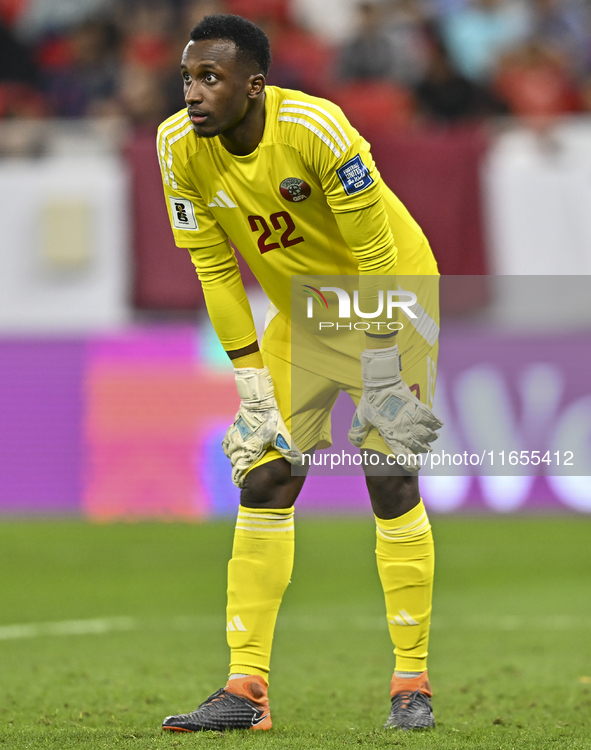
pixel 217 86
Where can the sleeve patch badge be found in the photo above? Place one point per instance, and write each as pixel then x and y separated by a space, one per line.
pixel 354 176
pixel 183 214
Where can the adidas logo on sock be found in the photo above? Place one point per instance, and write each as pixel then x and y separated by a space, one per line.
pixel 403 618
pixel 237 624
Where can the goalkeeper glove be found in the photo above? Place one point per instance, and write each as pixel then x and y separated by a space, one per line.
pixel 257 426
pixel 406 425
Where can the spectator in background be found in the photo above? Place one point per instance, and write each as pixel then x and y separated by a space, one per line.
pixel 458 58
pixel 406 24
pixel 16 63
pixel 563 25
pixel 369 94
pixel 80 70
pixel 11 11
pixel 38 18
pixel 369 54
pixel 194 11
pixel 276 10
pixel 146 92
pixel 147 27
pixel 440 8
pixel 141 96
pixel 479 34
pixel 331 20
pixel 19 96
pixel 300 59
pixel 444 95
pixel 536 81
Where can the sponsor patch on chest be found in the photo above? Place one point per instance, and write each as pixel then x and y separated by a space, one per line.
pixel 294 189
pixel 354 176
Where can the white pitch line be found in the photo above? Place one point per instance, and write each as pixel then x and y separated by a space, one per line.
pixel 491 622
pixel 67 627
pixel 291 622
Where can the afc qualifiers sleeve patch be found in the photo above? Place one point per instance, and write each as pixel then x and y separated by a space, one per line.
pixel 354 176
pixel 183 214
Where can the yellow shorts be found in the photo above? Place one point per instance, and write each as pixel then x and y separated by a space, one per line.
pixel 308 387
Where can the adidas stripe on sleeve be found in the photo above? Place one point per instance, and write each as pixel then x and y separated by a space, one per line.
pixel 334 151
pixel 190 218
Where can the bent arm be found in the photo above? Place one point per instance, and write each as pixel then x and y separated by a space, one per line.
pixel 226 300
pixel 368 234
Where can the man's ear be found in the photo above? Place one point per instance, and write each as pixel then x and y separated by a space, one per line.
pixel 256 85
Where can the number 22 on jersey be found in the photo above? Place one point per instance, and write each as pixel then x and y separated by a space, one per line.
pixel 281 220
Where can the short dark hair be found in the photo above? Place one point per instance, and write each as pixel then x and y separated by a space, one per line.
pixel 249 39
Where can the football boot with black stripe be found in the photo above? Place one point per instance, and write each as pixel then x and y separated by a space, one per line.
pixel 241 704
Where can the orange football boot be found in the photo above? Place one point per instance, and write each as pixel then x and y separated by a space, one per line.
pixel 241 704
pixel 411 703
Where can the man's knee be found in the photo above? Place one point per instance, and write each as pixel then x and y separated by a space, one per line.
pixel 271 485
pixel 392 497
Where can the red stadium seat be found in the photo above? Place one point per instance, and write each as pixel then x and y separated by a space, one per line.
pixel 536 83
pixel 370 105
pixel 258 10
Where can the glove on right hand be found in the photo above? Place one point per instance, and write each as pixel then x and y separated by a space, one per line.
pixel 258 425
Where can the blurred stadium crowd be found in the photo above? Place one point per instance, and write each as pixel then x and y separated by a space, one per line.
pixel 396 61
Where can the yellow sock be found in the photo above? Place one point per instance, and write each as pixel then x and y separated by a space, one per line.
pixel 405 557
pixel 258 574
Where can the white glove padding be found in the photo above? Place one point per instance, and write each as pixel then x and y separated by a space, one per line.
pixel 257 426
pixel 406 425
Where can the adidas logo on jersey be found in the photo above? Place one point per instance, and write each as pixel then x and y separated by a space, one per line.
pixel 403 618
pixel 236 624
pixel 222 200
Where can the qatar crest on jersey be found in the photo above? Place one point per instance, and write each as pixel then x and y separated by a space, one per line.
pixel 295 190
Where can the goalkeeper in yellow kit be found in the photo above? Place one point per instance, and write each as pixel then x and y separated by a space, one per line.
pixel 293 185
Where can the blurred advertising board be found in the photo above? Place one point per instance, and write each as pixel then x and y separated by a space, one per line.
pixel 128 425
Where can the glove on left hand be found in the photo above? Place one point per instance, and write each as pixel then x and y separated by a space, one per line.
pixel 406 425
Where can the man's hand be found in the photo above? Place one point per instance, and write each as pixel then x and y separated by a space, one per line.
pixel 257 426
pixel 406 425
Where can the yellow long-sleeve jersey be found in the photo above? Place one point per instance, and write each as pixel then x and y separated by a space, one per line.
pixel 308 201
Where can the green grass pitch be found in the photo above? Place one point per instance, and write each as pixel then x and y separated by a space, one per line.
pixel 510 645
